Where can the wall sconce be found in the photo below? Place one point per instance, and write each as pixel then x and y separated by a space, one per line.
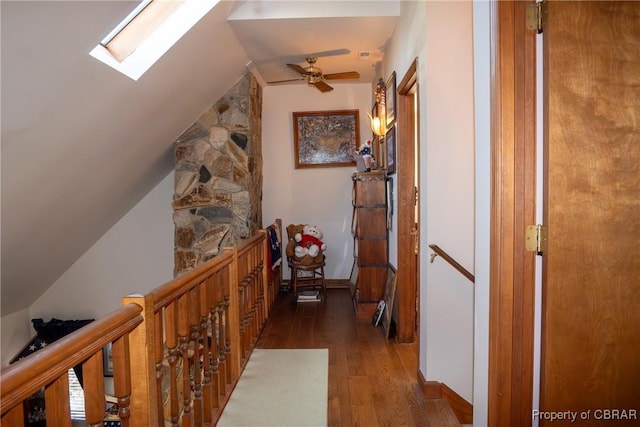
pixel 377 126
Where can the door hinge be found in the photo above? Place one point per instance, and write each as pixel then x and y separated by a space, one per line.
pixel 536 16
pixel 536 239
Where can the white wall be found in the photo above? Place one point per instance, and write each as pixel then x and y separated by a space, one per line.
pixel 320 196
pixel 439 34
pixel 16 331
pixel 482 40
pixel 134 256
pixel 450 198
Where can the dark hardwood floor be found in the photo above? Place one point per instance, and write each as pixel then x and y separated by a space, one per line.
pixel 372 381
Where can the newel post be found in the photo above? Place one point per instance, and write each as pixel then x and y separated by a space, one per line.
pixel 144 398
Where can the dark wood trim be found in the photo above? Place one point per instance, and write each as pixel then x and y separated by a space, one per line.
pixel 455 264
pixel 408 260
pixel 512 269
pixel 437 390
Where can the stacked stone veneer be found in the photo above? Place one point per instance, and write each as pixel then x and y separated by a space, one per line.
pixel 218 177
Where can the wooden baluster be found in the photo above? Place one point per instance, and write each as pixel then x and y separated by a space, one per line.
pixel 56 402
pixel 258 289
pixel 256 297
pixel 15 417
pixel 270 287
pixel 122 378
pixel 159 356
pixel 264 293
pixel 214 291
pixel 197 342
pixel 246 304
pixel 243 317
pixel 233 318
pixel 183 343
pixel 227 341
pixel 206 350
pixel 222 366
pixel 252 291
pixel 172 359
pixel 93 386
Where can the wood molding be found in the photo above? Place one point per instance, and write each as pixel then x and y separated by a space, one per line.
pixel 437 390
pixel 407 259
pixel 512 269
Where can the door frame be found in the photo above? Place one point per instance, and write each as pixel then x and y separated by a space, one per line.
pixel 408 260
pixel 513 191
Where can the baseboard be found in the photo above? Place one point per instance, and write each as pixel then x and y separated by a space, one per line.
pixel 438 390
pixel 337 283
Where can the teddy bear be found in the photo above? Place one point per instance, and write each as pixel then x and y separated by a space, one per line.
pixel 309 241
pixel 292 231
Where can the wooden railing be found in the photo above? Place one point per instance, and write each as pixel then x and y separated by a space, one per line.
pixel 455 264
pixel 48 368
pixel 178 351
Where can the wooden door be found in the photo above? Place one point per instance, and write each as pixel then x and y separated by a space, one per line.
pixel 590 360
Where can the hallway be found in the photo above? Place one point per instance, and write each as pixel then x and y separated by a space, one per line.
pixel 372 382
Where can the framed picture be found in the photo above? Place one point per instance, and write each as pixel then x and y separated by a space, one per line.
pixel 390 96
pixel 390 142
pixel 107 360
pixel 377 316
pixel 389 297
pixel 325 138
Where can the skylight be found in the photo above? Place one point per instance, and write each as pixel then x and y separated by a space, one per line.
pixel 148 32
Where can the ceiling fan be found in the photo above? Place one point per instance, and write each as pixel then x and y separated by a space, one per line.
pixel 313 75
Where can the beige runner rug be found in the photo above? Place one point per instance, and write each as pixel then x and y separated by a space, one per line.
pixel 280 388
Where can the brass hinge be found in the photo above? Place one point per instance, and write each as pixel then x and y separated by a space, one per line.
pixel 536 16
pixel 536 239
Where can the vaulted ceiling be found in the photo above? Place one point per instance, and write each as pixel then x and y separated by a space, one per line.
pixel 82 144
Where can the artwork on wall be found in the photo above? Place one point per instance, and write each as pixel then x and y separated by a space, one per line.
pixel 325 138
pixel 390 100
pixel 390 142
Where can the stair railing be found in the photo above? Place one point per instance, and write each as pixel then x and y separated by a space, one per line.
pixel 448 258
pixel 178 351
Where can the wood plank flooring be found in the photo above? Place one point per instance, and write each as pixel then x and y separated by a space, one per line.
pixel 372 381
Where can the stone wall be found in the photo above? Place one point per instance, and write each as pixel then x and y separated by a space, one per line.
pixel 218 177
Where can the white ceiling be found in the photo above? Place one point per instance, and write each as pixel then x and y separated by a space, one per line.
pixel 82 144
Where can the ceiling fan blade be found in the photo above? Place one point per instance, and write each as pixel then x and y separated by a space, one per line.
pixel 298 68
pixel 322 86
pixel 346 75
pixel 286 81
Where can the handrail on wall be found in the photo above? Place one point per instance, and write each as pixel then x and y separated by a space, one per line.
pixel 438 251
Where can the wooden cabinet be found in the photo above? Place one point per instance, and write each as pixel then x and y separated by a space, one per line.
pixel 370 235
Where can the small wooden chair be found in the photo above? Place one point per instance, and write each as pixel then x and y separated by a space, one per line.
pixel 307 275
pixel 307 272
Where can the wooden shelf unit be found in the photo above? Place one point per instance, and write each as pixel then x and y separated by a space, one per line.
pixel 370 234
